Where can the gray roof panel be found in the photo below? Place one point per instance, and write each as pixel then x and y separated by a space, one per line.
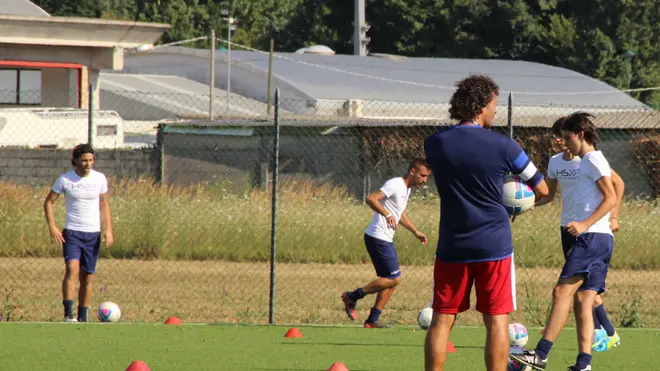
pixel 21 8
pixel 157 97
pixel 408 80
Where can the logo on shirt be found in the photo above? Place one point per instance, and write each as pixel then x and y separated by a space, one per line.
pixel 82 186
pixel 568 173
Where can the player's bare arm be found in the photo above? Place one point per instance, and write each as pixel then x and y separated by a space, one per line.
pixel 609 201
pixel 55 232
pixel 409 226
pixel 373 200
pixel 106 219
pixel 619 188
pixel 553 185
pixel 541 190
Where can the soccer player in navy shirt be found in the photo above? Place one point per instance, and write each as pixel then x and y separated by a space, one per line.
pixel 475 245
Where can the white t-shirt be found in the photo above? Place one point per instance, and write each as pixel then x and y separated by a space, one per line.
pixel 566 173
pixel 395 202
pixel 587 194
pixel 82 199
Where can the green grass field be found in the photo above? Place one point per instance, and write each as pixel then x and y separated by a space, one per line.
pixel 71 347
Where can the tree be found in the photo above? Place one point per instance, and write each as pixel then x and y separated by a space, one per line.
pixel 611 40
pixel 327 22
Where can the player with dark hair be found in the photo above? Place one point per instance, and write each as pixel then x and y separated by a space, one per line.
pixel 86 196
pixel 563 171
pixel 583 276
pixel 389 205
pixel 475 245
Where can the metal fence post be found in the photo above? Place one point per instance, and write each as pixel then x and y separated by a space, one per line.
pixel 212 75
pixel 160 147
pixel 273 228
pixel 510 115
pixel 90 116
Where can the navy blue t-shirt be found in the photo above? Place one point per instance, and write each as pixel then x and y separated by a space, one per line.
pixel 469 164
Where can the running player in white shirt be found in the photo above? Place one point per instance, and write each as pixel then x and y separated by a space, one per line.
pixel 587 262
pixel 86 197
pixel 389 205
pixel 563 169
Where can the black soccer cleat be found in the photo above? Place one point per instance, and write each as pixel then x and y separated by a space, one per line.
pixel 531 359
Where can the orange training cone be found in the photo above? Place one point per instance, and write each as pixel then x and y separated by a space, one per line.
pixel 450 347
pixel 293 333
pixel 173 321
pixel 338 366
pixel 138 366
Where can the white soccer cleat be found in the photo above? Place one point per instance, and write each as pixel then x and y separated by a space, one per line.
pixel 70 319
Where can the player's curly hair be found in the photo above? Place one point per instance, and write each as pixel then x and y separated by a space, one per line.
pixel 80 150
pixel 581 122
pixel 472 94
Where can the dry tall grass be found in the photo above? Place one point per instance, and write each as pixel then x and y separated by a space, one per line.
pixel 316 223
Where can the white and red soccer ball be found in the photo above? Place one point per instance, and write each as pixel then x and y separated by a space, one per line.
pixel 518 335
pixel 109 312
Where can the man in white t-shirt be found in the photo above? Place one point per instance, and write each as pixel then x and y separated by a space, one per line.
pixel 86 200
pixel 583 276
pixel 563 171
pixel 389 205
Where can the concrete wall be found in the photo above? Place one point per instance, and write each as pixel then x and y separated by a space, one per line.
pixel 616 147
pixel 59 87
pixel 43 166
pixel 333 159
pixel 236 159
pixel 242 161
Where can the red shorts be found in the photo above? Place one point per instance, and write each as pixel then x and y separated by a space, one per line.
pixel 494 283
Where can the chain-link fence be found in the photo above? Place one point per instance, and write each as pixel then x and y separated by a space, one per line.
pixel 192 207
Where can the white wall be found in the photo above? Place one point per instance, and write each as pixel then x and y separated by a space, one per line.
pixel 59 87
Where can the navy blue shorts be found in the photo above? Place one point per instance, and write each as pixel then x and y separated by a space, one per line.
pixel 590 256
pixel 384 256
pixel 82 246
pixel 567 240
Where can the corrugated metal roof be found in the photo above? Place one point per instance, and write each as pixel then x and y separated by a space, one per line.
pixel 371 90
pixel 157 97
pixel 342 77
pixel 530 82
pixel 22 8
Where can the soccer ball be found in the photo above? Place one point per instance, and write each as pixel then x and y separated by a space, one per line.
pixel 109 312
pixel 424 317
pixel 517 196
pixel 517 334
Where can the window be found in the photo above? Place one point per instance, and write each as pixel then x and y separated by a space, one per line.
pixel 106 130
pixel 20 87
